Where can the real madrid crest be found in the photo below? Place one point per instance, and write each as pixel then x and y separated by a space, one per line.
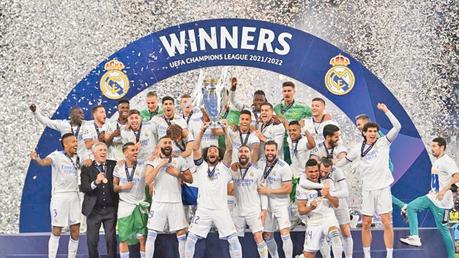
pixel 114 84
pixel 339 79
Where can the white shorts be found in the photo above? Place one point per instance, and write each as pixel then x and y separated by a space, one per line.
pixel 65 209
pixel 342 212
pixel 162 212
pixel 376 201
pixel 203 218
pixel 281 215
pixel 314 235
pixel 125 209
pixel 252 220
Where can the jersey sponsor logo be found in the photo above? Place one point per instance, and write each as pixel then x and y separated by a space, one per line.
pixel 339 79
pixel 245 182
pixel 68 169
pixel 114 84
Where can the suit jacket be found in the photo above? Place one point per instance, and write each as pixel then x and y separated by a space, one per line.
pixel 88 175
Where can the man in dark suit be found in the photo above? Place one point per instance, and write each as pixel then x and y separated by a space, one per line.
pixel 100 203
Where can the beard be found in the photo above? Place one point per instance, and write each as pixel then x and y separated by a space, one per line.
pixel 212 160
pixel 243 160
pixel 270 158
pixel 166 151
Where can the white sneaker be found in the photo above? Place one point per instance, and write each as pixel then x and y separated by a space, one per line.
pixel 412 240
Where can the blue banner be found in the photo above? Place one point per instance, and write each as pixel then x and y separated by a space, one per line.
pixel 234 42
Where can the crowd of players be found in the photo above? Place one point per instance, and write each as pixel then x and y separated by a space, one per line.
pixel 258 167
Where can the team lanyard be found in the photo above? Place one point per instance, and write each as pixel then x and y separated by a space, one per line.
pixel 245 172
pixel 268 169
pixel 316 128
pixel 76 164
pixel 295 145
pixel 168 121
pixel 97 130
pixel 137 134
pixel 364 152
pixel 130 176
pixel 188 118
pixel 76 132
pixel 211 173
pixel 181 145
pixel 264 126
pixel 330 154
pixel 286 108
pixel 243 141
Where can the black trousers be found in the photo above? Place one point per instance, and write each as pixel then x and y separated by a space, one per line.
pixel 107 217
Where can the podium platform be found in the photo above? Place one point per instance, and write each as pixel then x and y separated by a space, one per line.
pixel 34 245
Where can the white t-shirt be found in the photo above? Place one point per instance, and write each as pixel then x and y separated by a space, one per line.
pixel 324 211
pixel 147 140
pixel 137 193
pixel 194 122
pixel 90 131
pixel 299 154
pixel 115 150
pixel 279 174
pixel 247 138
pixel 160 124
pixel 443 170
pixel 65 173
pixel 316 129
pixel 246 183
pixel 213 190
pixel 167 187
pixel 274 132
pixel 373 166
pixel 321 151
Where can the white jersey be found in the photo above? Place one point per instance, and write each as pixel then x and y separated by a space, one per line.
pixel 299 154
pixel 160 124
pixel 443 170
pixel 194 121
pixel 324 211
pixel 208 138
pixel 115 150
pixel 90 131
pixel 137 193
pixel 63 126
pixel 322 151
pixel 373 167
pixel 316 129
pixel 238 139
pixel 213 185
pixel 65 173
pixel 337 176
pixel 146 139
pixel 167 187
pixel 246 183
pixel 274 132
pixel 180 146
pixel 273 179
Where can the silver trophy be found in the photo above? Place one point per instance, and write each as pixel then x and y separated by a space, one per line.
pixel 211 94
